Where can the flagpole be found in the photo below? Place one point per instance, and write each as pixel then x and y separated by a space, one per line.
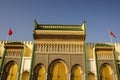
pixel 110 39
pixel 112 35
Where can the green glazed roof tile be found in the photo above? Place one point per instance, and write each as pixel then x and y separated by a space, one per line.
pixel 102 44
pixel 59 27
pixel 66 27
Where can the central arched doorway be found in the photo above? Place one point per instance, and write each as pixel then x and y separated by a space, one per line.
pixel 105 72
pixel 58 70
pixel 10 71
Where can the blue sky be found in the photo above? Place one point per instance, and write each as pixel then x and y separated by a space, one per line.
pixel 100 16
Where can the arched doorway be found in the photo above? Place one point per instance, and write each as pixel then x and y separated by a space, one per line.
pixel 91 76
pixel 10 71
pixel 25 75
pixel 105 72
pixel 58 70
pixel 76 73
pixel 39 72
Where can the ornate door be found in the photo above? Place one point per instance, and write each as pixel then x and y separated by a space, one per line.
pixel 91 76
pixel 58 71
pixel 10 71
pixel 39 72
pixel 105 72
pixel 76 73
pixel 25 75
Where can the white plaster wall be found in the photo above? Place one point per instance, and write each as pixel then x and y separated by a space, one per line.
pixel 26 62
pixel 91 66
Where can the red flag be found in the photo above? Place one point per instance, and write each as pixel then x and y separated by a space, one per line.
pixel 10 32
pixel 112 34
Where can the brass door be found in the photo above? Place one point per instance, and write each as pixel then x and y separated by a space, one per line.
pixel 91 76
pixel 39 73
pixel 25 75
pixel 12 71
pixel 76 73
pixel 58 71
pixel 105 72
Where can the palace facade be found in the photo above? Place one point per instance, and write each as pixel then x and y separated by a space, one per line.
pixel 59 52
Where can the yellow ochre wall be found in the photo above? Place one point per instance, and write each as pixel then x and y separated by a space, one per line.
pixel 89 55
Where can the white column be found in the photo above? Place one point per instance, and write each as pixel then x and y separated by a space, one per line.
pixel 45 47
pixel 18 76
pixel 51 48
pixel 115 78
pixel 99 76
pixel 56 48
pixel 95 77
pixel 65 47
pixel 83 76
pixel 69 77
pixel 45 77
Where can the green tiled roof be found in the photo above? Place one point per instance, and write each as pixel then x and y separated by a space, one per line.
pixel 102 44
pixel 15 43
pixel 57 27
